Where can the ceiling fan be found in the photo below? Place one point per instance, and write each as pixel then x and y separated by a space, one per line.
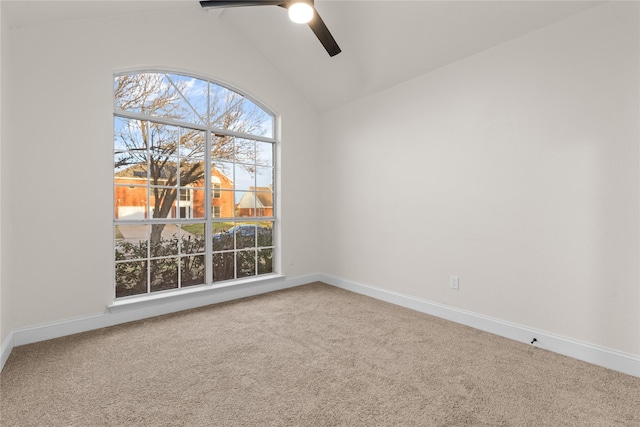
pixel 300 11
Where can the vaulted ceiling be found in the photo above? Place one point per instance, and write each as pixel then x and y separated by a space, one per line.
pixel 383 42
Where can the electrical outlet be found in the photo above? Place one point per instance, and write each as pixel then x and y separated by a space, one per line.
pixel 290 260
pixel 454 282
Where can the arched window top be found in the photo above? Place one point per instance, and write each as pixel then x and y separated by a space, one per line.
pixel 188 99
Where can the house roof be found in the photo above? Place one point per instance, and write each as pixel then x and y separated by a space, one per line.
pixel 261 199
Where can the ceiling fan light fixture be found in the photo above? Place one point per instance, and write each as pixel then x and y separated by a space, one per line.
pixel 301 12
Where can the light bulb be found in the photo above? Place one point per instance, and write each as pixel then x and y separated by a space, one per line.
pixel 301 12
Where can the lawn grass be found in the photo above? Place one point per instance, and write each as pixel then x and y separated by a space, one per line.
pixel 198 229
pixel 218 227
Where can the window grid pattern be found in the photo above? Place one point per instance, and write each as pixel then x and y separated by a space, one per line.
pixel 193 184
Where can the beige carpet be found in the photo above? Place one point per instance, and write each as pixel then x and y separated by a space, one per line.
pixel 309 356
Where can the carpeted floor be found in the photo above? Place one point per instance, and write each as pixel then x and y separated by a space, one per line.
pixel 308 356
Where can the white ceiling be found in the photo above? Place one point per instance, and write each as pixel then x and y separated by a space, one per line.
pixel 383 42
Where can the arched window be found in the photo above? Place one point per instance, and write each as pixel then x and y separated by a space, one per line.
pixel 193 183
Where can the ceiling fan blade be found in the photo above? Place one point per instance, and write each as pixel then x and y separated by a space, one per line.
pixel 321 31
pixel 316 24
pixel 230 3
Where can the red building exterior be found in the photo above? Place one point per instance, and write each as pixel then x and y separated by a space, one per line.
pixel 131 194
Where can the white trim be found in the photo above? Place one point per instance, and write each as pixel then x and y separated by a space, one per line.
pixel 597 355
pixel 142 309
pixel 177 295
pixel 122 313
pixel 5 350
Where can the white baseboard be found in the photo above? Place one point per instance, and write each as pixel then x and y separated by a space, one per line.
pixel 612 359
pixel 123 313
pixel 5 350
pixel 601 356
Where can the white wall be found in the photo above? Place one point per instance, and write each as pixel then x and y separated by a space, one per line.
pixel 5 307
pixel 516 169
pixel 58 137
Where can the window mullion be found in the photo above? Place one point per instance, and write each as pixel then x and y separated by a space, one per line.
pixel 149 214
pixel 178 217
pixel 172 122
pixel 208 229
pixel 178 166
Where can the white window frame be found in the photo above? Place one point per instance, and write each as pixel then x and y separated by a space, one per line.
pixel 209 189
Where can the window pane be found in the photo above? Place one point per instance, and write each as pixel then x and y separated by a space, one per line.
pixel 163 274
pixel 224 203
pixel 192 238
pixel 185 194
pixel 130 203
pixel 163 240
pixel 223 237
pixel 245 233
pixel 130 168
pixel 193 100
pixel 126 134
pixel 123 160
pixel 264 153
pixel 245 151
pixel 191 144
pixel 162 140
pixel 131 278
pixel 131 241
pixel 265 261
pixel 261 122
pixel 215 193
pixel 192 270
pixel 264 178
pixel 246 263
pixel 265 234
pixel 245 203
pixel 190 203
pixel 162 171
pixel 223 265
pixel 266 123
pixel 130 90
pixel 224 172
pixel 245 177
pixel 265 204
pixel 222 148
pixel 134 135
pixel 222 102
pixel 193 208
pixel 232 111
pixel 163 202
pixel 192 172
pixel 170 103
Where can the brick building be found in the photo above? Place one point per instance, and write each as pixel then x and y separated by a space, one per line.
pixel 131 193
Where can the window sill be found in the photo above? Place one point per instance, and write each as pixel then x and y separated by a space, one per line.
pixel 176 295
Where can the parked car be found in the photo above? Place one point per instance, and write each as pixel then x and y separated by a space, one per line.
pixel 245 235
